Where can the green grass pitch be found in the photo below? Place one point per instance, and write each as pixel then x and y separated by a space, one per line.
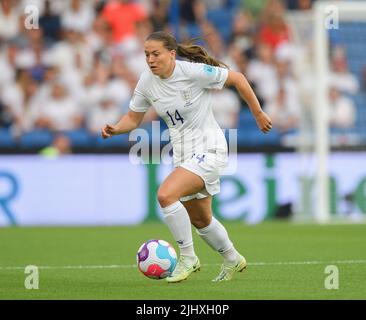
pixel 286 261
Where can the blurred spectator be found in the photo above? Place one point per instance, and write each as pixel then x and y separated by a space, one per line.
pixel 56 7
pixel 342 112
pixel 269 8
pixel 299 4
pixel 274 29
pixel 30 107
pixel 238 61
pixel 9 20
pixel 126 19
pixel 79 16
pixel 8 63
pixel 123 15
pixel 99 6
pixel 226 106
pixel 106 110
pixel 261 71
pixel 50 24
pixel 51 74
pixel 284 108
pixel 159 15
pixel 59 110
pixel 67 53
pixel 286 80
pixel 6 117
pixel 121 72
pixel 340 76
pixel 143 30
pixel 73 57
pixel 254 6
pixel 235 58
pixel 104 97
pixel 61 145
pixel 38 3
pixel 242 35
pixel 284 114
pixel 39 67
pixel 14 96
pixel 215 43
pixel 192 11
pixel 132 51
pixel 32 54
pixel 100 37
pixel 115 84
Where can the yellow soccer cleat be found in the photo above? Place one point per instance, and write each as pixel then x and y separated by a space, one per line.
pixel 185 266
pixel 228 269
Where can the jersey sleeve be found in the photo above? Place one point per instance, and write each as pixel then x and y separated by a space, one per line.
pixel 139 101
pixel 207 76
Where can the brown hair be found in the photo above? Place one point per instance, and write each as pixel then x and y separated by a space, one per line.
pixel 188 49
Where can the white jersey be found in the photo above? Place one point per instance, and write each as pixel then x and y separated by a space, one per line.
pixel 183 102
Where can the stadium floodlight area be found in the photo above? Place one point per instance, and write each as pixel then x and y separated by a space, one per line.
pixel 316 143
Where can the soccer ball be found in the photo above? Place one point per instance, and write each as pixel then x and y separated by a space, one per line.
pixel 156 259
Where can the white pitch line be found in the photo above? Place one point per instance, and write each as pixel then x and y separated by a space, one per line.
pixel 112 266
pixel 307 262
pixel 259 264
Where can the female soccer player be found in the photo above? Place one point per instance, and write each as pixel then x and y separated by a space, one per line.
pixel 180 93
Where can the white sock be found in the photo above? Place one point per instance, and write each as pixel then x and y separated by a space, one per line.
pixel 216 236
pixel 179 224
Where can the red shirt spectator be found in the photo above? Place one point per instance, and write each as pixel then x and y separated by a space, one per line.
pixel 274 31
pixel 122 16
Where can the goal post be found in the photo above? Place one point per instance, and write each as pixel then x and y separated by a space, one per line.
pixel 320 111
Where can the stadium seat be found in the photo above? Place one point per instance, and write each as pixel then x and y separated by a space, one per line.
pixel 253 137
pixel 113 142
pixel 80 138
pixel 246 120
pixel 36 139
pixel 6 139
pixel 222 20
pixel 193 30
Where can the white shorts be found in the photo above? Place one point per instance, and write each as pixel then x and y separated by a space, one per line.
pixel 208 166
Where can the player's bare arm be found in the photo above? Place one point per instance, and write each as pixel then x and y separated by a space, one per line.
pixel 244 89
pixel 127 123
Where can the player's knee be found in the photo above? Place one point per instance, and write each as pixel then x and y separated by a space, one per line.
pixel 166 198
pixel 201 221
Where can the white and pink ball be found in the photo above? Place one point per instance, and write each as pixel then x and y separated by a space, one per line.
pixel 156 259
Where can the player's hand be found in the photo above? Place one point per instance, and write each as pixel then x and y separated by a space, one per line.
pixel 264 122
pixel 108 131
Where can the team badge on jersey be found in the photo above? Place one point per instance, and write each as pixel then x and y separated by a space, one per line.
pixel 187 96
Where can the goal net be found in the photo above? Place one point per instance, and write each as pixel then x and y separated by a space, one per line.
pixel 330 65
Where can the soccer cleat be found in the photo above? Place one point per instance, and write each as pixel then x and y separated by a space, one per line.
pixel 228 269
pixel 185 266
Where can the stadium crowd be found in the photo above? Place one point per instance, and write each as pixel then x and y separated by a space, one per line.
pixel 78 68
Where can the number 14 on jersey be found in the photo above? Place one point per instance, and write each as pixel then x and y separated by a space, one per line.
pixel 177 117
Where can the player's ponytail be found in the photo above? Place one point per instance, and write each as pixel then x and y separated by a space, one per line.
pixel 188 49
pixel 196 53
